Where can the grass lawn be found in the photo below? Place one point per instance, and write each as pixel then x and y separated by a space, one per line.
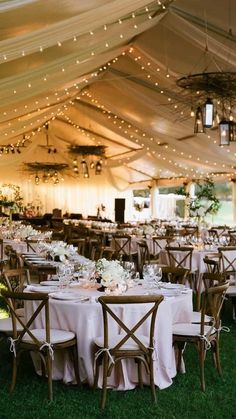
pixel 183 399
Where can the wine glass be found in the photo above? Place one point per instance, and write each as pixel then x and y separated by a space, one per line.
pixel 157 275
pixel 148 275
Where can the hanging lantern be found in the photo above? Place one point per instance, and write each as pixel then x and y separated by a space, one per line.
pixel 98 168
pixel 208 114
pixel 227 132
pixel 85 170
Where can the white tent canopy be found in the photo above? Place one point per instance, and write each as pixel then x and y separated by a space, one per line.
pixel 104 73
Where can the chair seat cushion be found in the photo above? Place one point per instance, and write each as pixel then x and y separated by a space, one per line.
pixel 6 326
pixel 231 291
pixel 130 344
pixel 190 329
pixel 196 317
pixel 57 336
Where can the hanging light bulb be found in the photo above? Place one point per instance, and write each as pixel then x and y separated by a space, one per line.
pixel 198 125
pixel 36 179
pixel 92 165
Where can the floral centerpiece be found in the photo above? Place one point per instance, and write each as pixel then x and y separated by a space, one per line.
pixel 59 251
pixel 205 201
pixel 111 275
pixel 148 230
pixel 10 197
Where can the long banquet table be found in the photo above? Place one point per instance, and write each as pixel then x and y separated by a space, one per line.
pixel 85 319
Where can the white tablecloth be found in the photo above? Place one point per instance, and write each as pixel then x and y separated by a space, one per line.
pixel 85 319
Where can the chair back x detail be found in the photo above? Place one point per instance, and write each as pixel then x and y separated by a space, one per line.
pixel 129 343
pixel 180 257
pixel 42 340
pixel 228 259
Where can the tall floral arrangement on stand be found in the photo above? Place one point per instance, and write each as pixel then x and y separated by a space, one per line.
pixel 11 197
pixel 205 201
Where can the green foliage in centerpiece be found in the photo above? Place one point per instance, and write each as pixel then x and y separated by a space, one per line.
pixel 205 201
pixel 10 196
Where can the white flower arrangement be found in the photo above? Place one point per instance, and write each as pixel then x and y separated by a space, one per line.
pixel 58 249
pixel 148 230
pixel 111 272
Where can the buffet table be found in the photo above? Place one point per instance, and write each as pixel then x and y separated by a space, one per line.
pixel 84 317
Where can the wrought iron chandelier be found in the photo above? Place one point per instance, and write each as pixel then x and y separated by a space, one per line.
pixel 47 172
pixel 214 94
pixel 91 158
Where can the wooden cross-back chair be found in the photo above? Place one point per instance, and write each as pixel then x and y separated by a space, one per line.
pixel 129 343
pixel 212 262
pixel 33 243
pixel 181 257
pixel 16 279
pixel 1 249
pixel 218 231
pixel 13 259
pixel 232 238
pixel 43 341
pixel 100 251
pixel 203 335
pixel 122 246
pixel 175 275
pixel 190 230
pixel 228 260
pixel 211 279
pixel 144 256
pixel 80 244
pixel 160 243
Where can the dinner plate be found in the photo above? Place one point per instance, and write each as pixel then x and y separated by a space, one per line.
pixel 50 283
pixel 167 293
pixel 39 288
pixel 169 285
pixel 40 262
pixel 68 296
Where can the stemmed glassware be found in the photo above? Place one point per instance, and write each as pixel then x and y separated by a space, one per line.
pixel 152 274
pixel 157 275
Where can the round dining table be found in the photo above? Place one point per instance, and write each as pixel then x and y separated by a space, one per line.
pixel 77 309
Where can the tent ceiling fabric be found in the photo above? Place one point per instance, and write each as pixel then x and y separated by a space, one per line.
pixel 103 72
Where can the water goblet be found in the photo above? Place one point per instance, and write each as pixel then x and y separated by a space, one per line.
pixel 148 275
pixel 157 275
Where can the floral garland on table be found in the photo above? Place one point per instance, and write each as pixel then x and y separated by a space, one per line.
pixel 10 196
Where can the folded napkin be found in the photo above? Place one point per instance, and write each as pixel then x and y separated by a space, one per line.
pixel 39 288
